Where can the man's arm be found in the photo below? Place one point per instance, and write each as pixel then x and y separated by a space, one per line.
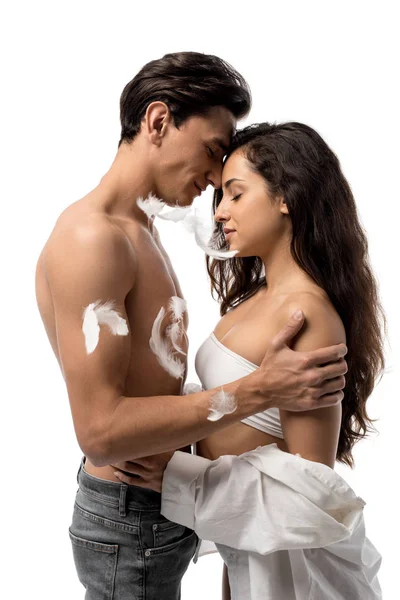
pixel 96 262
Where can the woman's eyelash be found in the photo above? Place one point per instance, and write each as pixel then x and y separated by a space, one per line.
pixel 236 197
pixel 212 153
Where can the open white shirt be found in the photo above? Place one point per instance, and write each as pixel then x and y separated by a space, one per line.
pixel 287 528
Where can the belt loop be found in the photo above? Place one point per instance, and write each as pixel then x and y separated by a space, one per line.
pixel 196 553
pixel 122 499
pixel 80 468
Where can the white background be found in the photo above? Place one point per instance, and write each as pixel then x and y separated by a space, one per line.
pixel 332 65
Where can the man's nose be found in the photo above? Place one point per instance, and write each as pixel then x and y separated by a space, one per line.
pixel 214 177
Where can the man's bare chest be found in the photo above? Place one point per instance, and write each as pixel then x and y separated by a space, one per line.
pixel 154 285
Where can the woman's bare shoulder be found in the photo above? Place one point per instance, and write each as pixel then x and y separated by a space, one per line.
pixel 314 434
pixel 323 325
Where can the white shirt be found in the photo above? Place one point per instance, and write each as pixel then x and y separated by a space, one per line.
pixel 287 528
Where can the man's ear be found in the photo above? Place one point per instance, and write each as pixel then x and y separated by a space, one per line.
pixel 156 121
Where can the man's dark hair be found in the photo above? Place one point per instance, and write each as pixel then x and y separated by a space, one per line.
pixel 189 83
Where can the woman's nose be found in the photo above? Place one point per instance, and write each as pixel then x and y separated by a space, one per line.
pixel 221 214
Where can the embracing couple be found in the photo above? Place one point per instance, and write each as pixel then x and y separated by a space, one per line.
pixel 279 402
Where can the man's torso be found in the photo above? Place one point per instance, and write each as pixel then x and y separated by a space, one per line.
pixel 155 283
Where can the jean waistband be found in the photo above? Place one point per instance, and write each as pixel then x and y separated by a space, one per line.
pixel 126 496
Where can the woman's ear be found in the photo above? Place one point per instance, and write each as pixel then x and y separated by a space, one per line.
pixel 283 206
pixel 156 120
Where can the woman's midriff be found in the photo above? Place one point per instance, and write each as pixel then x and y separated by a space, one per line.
pixel 234 439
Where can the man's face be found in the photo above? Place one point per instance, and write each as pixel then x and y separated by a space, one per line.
pixel 190 158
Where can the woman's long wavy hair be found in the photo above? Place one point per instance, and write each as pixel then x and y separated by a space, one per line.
pixel 328 243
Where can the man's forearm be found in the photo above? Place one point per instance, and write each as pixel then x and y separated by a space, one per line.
pixel 147 426
pixel 187 449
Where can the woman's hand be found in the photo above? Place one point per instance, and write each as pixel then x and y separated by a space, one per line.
pixel 146 472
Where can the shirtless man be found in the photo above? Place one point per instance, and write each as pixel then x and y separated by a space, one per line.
pixel 177 117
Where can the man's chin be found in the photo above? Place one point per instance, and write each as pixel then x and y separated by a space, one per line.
pixel 177 202
pixel 182 201
pixel 188 201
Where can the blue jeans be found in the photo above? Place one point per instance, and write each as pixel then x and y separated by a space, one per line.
pixel 123 547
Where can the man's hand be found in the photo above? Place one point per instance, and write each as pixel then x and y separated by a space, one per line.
pixel 146 472
pixel 297 381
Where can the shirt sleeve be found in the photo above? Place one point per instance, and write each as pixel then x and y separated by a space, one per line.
pixel 234 502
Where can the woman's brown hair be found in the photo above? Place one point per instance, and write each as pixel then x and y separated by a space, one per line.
pixel 328 243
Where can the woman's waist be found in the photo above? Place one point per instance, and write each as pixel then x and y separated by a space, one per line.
pixel 236 439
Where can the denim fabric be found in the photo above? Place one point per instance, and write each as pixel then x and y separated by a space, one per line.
pixel 123 547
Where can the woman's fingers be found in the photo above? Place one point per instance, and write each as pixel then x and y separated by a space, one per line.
pixel 154 485
pixel 132 470
pixel 136 467
pixel 125 478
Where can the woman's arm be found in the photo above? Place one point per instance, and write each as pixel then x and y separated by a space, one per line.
pixel 261 501
pixel 314 434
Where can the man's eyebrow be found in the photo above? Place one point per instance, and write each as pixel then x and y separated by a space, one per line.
pixel 230 181
pixel 221 143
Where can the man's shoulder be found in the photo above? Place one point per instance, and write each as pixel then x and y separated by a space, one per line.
pixel 80 233
pixel 79 220
pixel 85 226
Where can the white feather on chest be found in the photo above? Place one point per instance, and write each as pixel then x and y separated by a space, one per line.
pixel 165 346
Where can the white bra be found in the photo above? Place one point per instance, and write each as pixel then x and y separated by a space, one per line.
pixel 217 365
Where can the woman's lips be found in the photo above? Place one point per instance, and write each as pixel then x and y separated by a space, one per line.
pixel 229 234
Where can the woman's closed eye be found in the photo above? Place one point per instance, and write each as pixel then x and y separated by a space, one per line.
pixel 235 197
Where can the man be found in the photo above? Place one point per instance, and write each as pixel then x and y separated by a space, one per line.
pixel 177 116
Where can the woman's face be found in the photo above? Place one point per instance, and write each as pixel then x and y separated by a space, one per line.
pixel 257 220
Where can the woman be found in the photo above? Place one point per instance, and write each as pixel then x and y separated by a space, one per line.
pixel 287 209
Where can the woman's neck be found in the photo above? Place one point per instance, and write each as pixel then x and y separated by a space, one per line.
pixel 282 273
